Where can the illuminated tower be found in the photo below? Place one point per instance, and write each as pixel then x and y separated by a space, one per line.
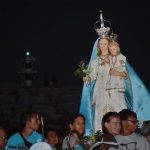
pixel 28 70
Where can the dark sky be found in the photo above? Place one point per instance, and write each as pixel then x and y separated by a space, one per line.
pixel 60 34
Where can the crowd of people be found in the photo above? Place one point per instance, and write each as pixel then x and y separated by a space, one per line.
pixel 120 130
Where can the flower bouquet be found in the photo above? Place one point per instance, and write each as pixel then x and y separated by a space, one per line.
pixel 92 138
pixel 83 71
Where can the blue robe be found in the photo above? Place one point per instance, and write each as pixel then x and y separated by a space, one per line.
pixel 137 97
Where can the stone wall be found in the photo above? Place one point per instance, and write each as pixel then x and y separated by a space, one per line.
pixel 55 104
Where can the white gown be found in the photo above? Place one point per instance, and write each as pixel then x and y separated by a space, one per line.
pixel 102 101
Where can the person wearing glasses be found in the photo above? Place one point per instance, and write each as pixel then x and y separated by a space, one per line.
pixel 128 139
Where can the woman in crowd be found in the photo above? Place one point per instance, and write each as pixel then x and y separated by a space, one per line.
pixel 76 130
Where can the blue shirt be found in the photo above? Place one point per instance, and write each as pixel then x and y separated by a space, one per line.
pixel 16 139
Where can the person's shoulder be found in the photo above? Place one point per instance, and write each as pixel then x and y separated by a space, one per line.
pixel 118 136
pixel 139 136
pixel 141 141
pixel 34 137
pixel 109 138
pixel 14 136
pixel 65 138
pixel 37 134
pixel 65 143
pixel 13 139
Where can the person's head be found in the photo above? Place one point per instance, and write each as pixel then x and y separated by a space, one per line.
pixel 52 137
pixel 103 46
pixel 129 121
pixel 3 139
pixel 77 122
pixel 74 133
pixel 111 123
pixel 76 137
pixel 30 120
pixel 114 48
pixel 145 130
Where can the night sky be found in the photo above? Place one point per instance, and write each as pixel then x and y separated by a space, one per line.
pixel 60 33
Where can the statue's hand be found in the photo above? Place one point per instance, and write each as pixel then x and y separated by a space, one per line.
pixel 87 80
pixel 112 72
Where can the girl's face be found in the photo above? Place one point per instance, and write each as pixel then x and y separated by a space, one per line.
pixel 78 125
pixel 113 126
pixel 103 45
pixel 113 50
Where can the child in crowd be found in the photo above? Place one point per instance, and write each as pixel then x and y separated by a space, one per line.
pixel 53 138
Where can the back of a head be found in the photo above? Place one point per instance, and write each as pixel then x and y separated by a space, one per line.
pixel 126 113
pixel 145 130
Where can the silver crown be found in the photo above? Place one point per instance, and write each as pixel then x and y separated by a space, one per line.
pixel 102 31
pixel 113 37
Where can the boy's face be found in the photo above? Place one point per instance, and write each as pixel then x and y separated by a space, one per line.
pixel 114 50
pixel 34 123
pixel 131 124
pixel 52 138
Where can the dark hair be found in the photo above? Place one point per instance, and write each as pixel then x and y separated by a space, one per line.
pixel 50 130
pixel 74 117
pixel 58 135
pixel 27 116
pixel 74 131
pixel 126 113
pixel 107 118
pixel 145 130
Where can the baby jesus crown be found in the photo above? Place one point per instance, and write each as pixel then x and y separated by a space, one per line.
pixel 113 37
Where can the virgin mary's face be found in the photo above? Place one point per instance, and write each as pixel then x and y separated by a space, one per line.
pixel 104 44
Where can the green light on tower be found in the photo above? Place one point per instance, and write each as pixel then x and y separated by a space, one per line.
pixel 27 53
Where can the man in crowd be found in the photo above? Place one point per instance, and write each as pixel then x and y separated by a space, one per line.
pixel 128 139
